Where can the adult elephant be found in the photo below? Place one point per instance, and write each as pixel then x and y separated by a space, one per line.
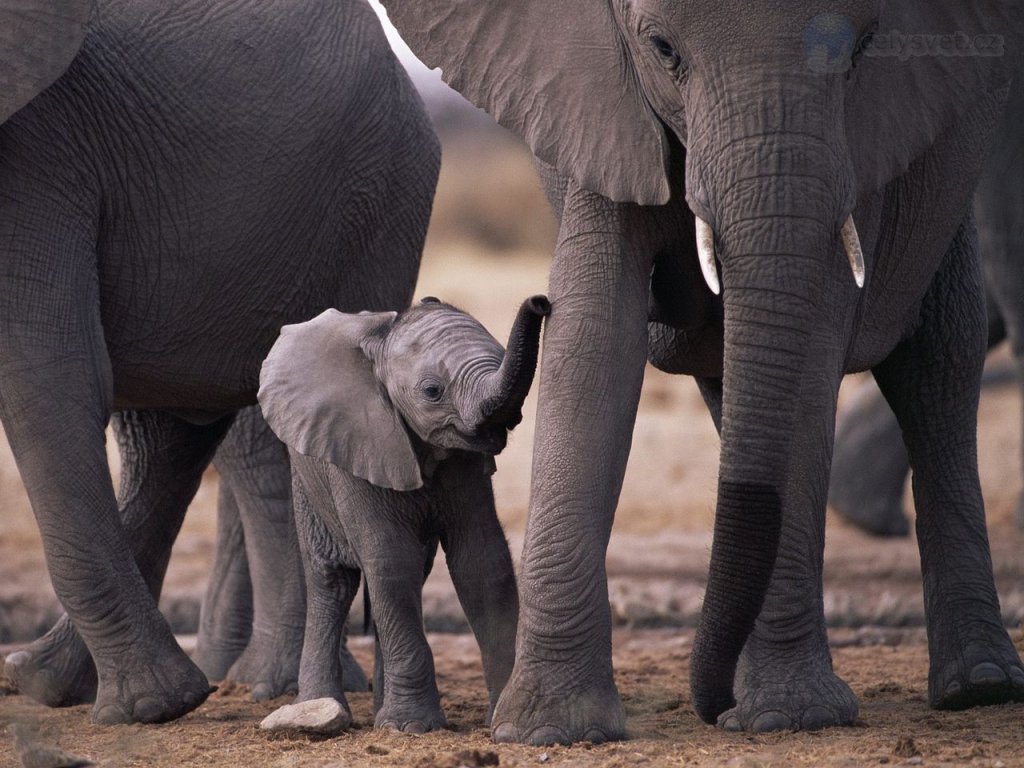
pixel 870 463
pixel 681 138
pixel 177 181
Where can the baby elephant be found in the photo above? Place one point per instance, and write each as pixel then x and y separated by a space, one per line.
pixel 392 422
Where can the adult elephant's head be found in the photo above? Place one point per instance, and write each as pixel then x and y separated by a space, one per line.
pixel 38 40
pixel 789 112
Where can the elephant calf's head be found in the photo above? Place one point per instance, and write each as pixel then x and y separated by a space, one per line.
pixel 359 390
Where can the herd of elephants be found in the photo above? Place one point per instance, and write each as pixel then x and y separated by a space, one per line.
pixel 212 214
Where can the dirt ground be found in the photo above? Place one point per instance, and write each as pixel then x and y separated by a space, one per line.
pixel 895 725
pixel 657 563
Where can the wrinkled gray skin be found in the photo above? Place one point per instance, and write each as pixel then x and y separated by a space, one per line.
pixel 242 640
pixel 376 496
pixel 870 464
pixel 176 184
pixel 772 124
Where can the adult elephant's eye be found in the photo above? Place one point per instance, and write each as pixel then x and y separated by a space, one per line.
pixel 863 44
pixel 432 390
pixel 668 55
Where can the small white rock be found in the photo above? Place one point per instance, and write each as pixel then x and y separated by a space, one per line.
pixel 323 717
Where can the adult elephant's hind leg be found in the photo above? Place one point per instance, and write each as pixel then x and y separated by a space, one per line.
pixel 225 620
pixel 253 464
pixel 932 381
pixel 595 343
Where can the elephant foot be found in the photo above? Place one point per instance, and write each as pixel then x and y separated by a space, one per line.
pixel 548 704
pixel 55 670
pixel 270 665
pixel 411 715
pixel 983 674
pixel 791 697
pixel 150 692
pixel 353 678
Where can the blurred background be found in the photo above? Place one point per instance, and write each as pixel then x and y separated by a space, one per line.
pixel 489 247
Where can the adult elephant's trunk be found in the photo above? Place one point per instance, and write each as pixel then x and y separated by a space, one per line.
pixel 508 386
pixel 778 234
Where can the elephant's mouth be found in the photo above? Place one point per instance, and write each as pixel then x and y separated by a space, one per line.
pixel 488 440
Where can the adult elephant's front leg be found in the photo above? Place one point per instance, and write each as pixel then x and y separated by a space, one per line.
pixel 595 343
pixel 55 400
pixel 162 461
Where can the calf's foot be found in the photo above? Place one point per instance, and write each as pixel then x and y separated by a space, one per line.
pixel 55 670
pixel 411 715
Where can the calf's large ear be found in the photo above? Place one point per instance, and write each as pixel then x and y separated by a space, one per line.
pixel 319 394
pixel 928 64
pixel 38 40
pixel 556 72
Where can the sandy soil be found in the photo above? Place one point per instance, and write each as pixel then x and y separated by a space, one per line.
pixel 657 563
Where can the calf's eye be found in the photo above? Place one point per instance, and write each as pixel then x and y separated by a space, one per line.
pixel 432 390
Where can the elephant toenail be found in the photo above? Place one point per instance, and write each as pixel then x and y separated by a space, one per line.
pixel 730 723
pixel 111 715
pixel 17 659
pixel 987 673
pixel 415 726
pixel 505 733
pixel 595 736
pixel 1017 677
pixel 261 692
pixel 773 720
pixel 816 718
pixel 546 735
pixel 953 689
pixel 149 709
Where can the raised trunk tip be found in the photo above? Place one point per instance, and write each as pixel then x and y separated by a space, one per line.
pixel 503 402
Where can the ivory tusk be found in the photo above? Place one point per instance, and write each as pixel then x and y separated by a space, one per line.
pixel 851 242
pixel 706 254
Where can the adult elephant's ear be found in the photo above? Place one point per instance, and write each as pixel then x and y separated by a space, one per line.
pixel 38 40
pixel 556 72
pixel 926 65
pixel 319 394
